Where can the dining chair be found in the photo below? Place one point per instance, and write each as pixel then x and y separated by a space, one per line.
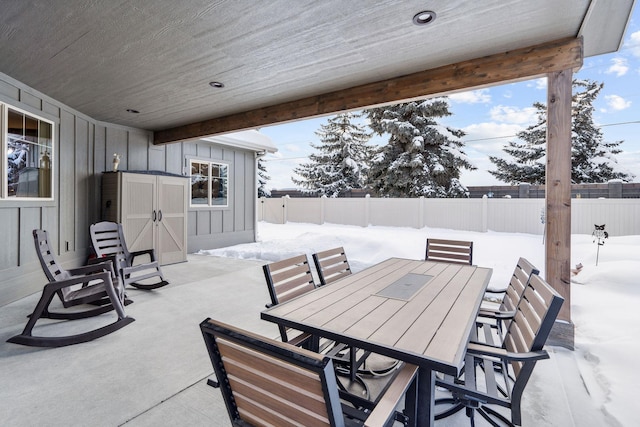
pixel 490 318
pixel 455 251
pixel 289 278
pixel 331 265
pixel 266 382
pixel 498 375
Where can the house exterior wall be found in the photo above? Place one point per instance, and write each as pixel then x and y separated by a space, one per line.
pixel 84 149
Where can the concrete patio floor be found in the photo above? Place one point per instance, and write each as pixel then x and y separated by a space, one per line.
pixel 154 371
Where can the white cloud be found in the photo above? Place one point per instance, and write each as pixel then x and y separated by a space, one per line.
pixel 619 67
pixel 633 44
pixel 480 96
pixel 507 114
pixel 539 83
pixel 293 148
pixel 488 139
pixel 617 103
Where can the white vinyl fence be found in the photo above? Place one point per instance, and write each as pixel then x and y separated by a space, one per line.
pixel 621 216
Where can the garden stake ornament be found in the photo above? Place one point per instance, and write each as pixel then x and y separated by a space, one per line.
pixel 599 235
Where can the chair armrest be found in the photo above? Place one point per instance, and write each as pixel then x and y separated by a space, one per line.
pixel 105 276
pixel 103 265
pixel 496 314
pixel 385 409
pixel 485 350
pixel 151 252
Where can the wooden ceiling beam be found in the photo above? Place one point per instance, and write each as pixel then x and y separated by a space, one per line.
pixel 519 64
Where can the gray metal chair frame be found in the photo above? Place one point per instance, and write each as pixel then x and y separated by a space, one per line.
pixel 498 375
pixel 89 284
pixel 456 251
pixel 266 382
pixel 108 241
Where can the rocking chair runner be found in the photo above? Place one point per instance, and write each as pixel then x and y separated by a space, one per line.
pixel 95 283
pixel 108 241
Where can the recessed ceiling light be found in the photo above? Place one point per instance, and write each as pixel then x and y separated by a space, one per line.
pixel 132 111
pixel 217 85
pixel 425 17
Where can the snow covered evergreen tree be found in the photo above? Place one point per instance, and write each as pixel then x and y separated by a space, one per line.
pixel 263 177
pixel 342 160
pixel 421 158
pixel 592 159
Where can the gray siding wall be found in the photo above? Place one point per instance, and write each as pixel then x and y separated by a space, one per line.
pixel 216 227
pixel 83 150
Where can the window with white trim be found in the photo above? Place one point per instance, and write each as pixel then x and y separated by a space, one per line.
pixel 209 183
pixel 27 153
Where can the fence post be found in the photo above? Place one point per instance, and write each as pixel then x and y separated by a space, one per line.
pixel 615 189
pixel 284 208
pixel 523 190
pixel 485 213
pixel 367 208
pixel 323 202
pixel 421 213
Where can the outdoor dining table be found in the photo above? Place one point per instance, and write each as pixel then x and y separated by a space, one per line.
pixel 420 312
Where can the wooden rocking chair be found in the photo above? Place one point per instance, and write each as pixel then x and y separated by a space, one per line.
pixel 108 241
pixel 95 283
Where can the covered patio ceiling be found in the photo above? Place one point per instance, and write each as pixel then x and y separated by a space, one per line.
pixel 283 60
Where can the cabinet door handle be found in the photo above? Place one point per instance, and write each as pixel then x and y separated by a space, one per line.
pixel 159 216
pixel 154 216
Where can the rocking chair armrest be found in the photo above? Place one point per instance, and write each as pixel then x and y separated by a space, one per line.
pixel 105 276
pixel 151 252
pixel 104 265
pixel 501 353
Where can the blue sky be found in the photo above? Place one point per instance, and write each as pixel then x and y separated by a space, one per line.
pixel 491 117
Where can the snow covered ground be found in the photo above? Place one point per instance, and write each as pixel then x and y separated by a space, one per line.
pixel 604 297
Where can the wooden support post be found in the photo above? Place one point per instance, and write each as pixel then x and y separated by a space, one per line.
pixel 558 200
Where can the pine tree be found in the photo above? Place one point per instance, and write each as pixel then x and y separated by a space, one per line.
pixel 342 160
pixel 592 159
pixel 421 158
pixel 263 191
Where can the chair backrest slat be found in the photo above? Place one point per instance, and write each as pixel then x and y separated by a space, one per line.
pixel 265 382
pixel 519 280
pixel 331 265
pixel 455 251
